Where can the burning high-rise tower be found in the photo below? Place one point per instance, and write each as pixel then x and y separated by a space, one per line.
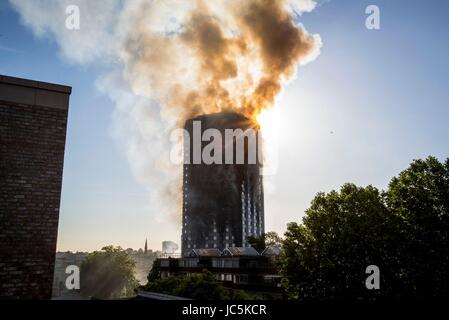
pixel 223 202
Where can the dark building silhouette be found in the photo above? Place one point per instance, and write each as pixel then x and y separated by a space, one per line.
pixel 222 203
pixel 33 120
pixel 237 268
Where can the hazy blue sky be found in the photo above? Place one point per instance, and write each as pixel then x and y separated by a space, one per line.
pixel 369 104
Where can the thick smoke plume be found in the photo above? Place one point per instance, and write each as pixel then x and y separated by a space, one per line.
pixel 223 55
pixel 164 61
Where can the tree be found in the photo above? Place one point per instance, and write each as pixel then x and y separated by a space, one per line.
pixel 154 272
pixel 267 239
pixel 342 233
pixel 201 286
pixel 404 231
pixel 272 239
pixel 257 243
pixel 420 196
pixel 108 274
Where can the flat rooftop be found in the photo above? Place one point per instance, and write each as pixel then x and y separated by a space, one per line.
pixel 34 93
pixel 35 84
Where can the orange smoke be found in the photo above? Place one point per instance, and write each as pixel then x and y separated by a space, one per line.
pixel 223 55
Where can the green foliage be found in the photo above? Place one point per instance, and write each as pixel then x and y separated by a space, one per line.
pixel 154 272
pixel 240 295
pixel 200 286
pixel 342 233
pixel 257 243
pixel 108 274
pixel 272 239
pixel 420 196
pixel 403 231
pixel 267 239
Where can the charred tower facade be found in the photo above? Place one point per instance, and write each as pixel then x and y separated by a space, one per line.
pixel 223 203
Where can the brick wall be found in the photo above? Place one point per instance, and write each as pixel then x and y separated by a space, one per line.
pixel 32 142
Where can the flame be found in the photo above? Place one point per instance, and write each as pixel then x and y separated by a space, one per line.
pixel 268 120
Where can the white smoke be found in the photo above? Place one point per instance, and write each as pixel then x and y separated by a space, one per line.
pixel 94 43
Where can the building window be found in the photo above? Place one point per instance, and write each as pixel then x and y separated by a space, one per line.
pixel 241 278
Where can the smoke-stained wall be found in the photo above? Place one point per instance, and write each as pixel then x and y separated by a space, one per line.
pixel 33 120
pixel 222 203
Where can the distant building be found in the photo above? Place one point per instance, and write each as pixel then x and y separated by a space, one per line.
pixel 33 121
pixel 169 247
pixel 223 204
pixel 240 268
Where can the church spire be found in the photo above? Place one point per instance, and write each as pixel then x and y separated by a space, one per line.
pixel 146 246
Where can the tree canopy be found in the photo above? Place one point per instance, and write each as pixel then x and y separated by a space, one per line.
pixel 153 275
pixel 108 274
pixel 201 286
pixel 270 238
pixel 420 196
pixel 404 231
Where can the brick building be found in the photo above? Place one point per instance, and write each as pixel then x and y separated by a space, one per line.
pixel 33 121
pixel 241 268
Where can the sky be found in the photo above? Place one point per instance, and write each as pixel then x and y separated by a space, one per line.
pixel 371 102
